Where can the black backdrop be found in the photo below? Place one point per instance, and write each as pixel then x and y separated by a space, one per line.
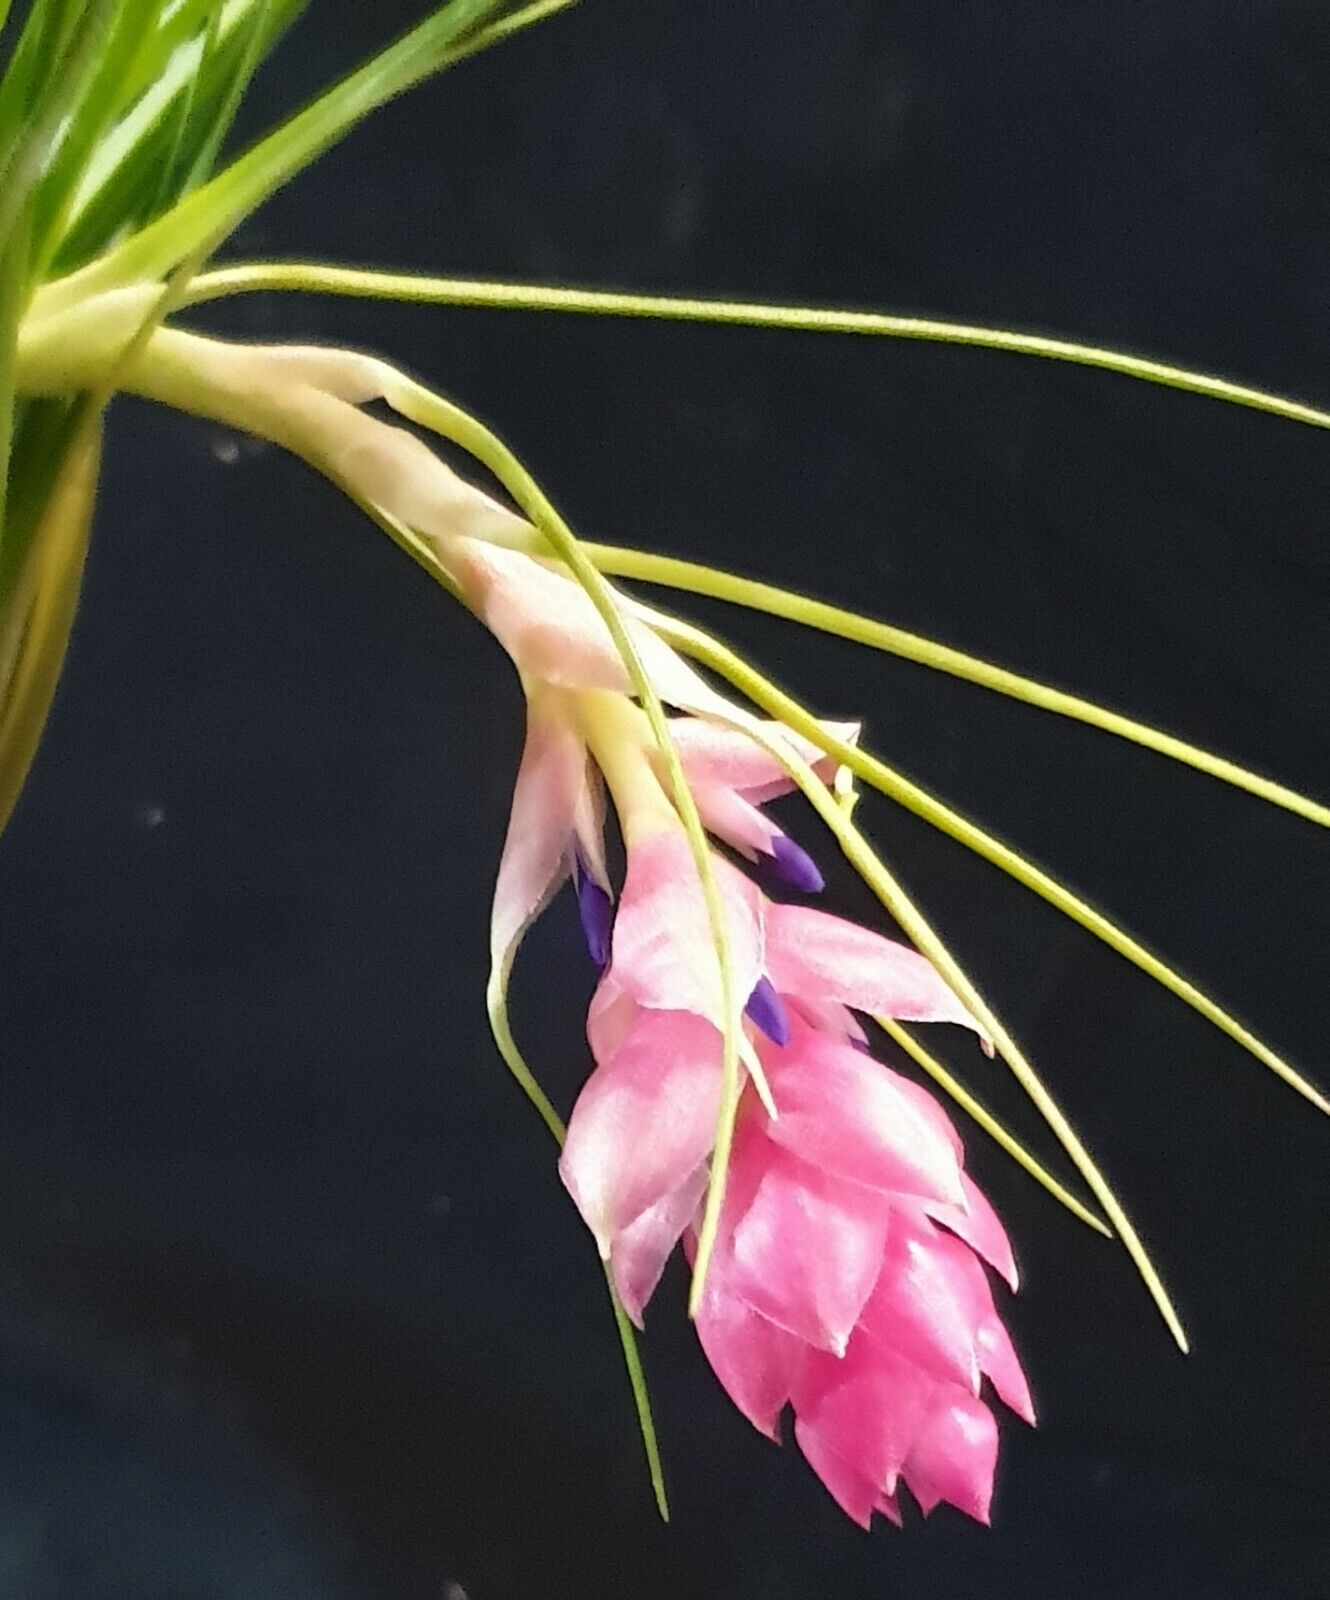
pixel 291 1302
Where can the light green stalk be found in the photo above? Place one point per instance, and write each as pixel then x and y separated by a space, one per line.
pixel 316 278
pixel 852 625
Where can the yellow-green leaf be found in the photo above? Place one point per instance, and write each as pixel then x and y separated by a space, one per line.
pixel 35 627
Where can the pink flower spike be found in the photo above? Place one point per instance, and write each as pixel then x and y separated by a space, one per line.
pixel 609 1018
pixel 856 1495
pixel 730 817
pixel 954 1456
pixel 920 1307
pixel 999 1364
pixel 889 1506
pixel 847 1114
pixel 997 1358
pixel 830 1016
pixel 814 953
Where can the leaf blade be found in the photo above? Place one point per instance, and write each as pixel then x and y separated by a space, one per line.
pixel 216 208
pixel 36 624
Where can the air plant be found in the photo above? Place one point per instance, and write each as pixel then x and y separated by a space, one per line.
pixel 839 1250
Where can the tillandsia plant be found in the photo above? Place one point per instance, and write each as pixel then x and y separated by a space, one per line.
pixel 840 1253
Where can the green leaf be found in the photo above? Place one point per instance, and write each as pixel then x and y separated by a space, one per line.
pixel 183 114
pixel 225 55
pixel 13 277
pixel 24 73
pixel 174 98
pixel 36 620
pixel 186 25
pixel 177 30
pixel 204 140
pixel 214 210
pixel 42 430
pixel 36 106
pixel 91 112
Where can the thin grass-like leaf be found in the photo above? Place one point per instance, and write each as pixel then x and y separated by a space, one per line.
pixel 29 146
pixel 875 772
pixel 221 204
pixel 318 278
pixel 955 1090
pixel 182 116
pixel 28 64
pixel 206 143
pixel 90 114
pixel 127 181
pixel 13 280
pixel 672 573
pixel 43 430
pixel 178 28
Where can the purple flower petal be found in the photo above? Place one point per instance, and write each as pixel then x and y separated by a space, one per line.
pixel 767 1010
pixel 795 866
pixel 596 910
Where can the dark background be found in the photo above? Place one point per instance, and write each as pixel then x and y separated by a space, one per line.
pixel 292 1304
